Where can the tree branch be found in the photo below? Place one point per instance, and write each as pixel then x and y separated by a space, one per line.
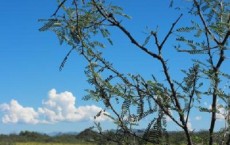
pixel 59 6
pixel 114 22
pixel 225 38
pixel 203 21
pixel 192 94
pixel 170 31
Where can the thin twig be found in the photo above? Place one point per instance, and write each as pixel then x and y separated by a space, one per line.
pixel 192 94
pixel 203 21
pixel 59 6
pixel 114 22
pixel 170 32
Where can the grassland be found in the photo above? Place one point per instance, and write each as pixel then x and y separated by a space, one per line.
pixel 89 137
pixel 36 143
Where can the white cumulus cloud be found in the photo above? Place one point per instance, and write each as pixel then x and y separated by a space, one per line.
pixel 58 107
pixel 189 125
pixel 198 118
pixel 14 113
pixel 168 119
pixel 222 112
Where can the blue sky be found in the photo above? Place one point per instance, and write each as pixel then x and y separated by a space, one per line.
pixel 30 80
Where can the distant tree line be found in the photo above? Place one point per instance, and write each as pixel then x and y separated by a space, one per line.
pixel 91 136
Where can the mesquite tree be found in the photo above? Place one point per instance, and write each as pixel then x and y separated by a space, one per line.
pixel 131 98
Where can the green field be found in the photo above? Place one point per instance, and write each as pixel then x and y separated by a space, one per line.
pixel 35 143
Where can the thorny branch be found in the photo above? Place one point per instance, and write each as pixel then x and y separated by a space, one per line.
pixel 59 6
pixel 214 67
pixel 192 93
pixel 114 22
pixel 109 17
pixel 204 22
pixel 169 32
pixel 105 97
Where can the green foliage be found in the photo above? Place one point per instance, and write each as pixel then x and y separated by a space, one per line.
pixel 132 98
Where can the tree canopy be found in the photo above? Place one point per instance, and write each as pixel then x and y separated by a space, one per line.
pixel 83 23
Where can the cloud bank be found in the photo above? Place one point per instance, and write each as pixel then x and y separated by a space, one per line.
pixel 14 113
pixel 57 108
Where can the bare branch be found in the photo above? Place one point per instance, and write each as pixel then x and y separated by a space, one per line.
pixel 170 32
pixel 156 41
pixel 59 6
pixel 225 38
pixel 114 22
